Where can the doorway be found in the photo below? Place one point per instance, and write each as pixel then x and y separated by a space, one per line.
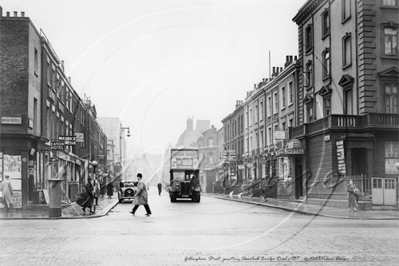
pixel 298 178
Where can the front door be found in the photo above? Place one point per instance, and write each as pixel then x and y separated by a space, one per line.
pixel 389 191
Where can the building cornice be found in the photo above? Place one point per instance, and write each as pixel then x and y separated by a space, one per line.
pixel 306 10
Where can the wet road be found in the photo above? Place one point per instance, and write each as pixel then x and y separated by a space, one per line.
pixel 213 232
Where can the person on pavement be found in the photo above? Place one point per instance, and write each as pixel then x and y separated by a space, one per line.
pixel 86 199
pixel 352 202
pixel 110 190
pixel 159 188
pixel 7 190
pixel 141 196
pixel 97 190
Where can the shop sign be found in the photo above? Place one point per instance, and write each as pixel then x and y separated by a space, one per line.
pixel 294 151
pixel 279 134
pixel 79 137
pixel 68 140
pixel 294 144
pixel 241 167
pixel 57 145
pixel 11 120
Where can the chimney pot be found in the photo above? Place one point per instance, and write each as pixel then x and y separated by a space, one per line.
pixel 15 14
pixel 281 69
pixel 22 14
pixel 274 70
pixel 295 58
pixel 8 14
pixel 290 58
pixel 70 81
pixel 254 86
pixel 287 58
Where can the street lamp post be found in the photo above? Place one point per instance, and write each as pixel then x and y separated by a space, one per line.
pixel 120 144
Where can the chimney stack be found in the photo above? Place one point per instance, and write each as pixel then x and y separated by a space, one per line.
pixel 15 14
pixel 62 65
pixel 70 81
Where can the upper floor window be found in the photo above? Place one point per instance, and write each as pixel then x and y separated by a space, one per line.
pixel 347 50
pixel 327 106
pixel 269 103
pixel 326 63
pixel 210 142
pixel 348 101
pixel 325 23
pixel 275 103
pixel 390 3
pixel 346 9
pixel 36 63
pixel 290 93
pixel 283 104
pixel 261 111
pixel 391 98
pixel 308 37
pixel 309 74
pixel 391 40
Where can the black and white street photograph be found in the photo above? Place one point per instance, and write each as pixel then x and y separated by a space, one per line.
pixel 199 132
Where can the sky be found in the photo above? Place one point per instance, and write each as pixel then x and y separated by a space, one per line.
pixel 155 63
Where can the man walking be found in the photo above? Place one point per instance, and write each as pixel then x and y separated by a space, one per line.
pixel 159 188
pixel 7 190
pixel 141 196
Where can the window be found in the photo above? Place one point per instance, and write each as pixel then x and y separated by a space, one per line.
pixel 283 126
pixel 261 111
pixel 346 10
pixel 48 74
pixel 291 95
pixel 391 157
pixel 210 158
pixel 256 114
pixel 261 138
pixel 309 74
pixel 308 37
pixel 347 50
pixel 389 3
pixel 250 117
pixel 348 102
pixel 325 20
pixel 309 113
pixel 275 103
pixel 269 133
pixel 391 40
pixel 35 117
pixel 257 141
pixel 269 103
pixel 391 98
pixel 36 59
pixel 210 142
pixel 247 119
pixel 283 98
pixel 326 63
pixel 327 106
pixel 290 122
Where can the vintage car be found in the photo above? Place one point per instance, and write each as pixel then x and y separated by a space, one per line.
pixel 127 191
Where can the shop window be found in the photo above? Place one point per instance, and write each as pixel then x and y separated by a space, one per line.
pixel 391 98
pixel 391 157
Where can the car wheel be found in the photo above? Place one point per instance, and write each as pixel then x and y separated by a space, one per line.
pixel 172 198
pixel 120 200
pixel 198 198
pixel 129 193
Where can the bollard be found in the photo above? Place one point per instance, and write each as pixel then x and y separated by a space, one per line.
pixel 55 194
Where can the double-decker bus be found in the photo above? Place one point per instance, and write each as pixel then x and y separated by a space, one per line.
pixel 184 174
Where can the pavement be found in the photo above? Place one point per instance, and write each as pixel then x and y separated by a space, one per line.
pixel 74 211
pixel 69 211
pixel 311 209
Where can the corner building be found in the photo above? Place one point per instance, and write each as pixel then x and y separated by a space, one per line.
pixel 348 99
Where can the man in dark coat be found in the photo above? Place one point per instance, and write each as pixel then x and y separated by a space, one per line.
pixel 159 188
